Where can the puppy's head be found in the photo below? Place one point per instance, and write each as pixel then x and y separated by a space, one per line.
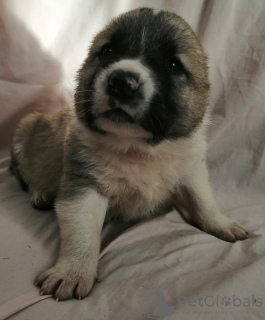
pixel 146 69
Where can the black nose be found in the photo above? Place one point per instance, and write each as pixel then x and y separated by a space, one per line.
pixel 123 85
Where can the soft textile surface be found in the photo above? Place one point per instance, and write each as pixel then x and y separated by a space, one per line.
pixel 42 45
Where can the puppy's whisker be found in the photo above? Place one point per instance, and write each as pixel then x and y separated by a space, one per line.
pixel 153 116
pixel 84 101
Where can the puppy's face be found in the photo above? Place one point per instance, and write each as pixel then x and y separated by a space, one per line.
pixel 146 69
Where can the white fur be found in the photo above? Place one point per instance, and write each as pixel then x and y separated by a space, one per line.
pixel 202 208
pixel 137 177
pixel 132 65
pixel 80 222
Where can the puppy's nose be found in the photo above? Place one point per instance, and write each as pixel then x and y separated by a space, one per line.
pixel 123 84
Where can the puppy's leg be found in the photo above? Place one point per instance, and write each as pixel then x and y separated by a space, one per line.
pixel 80 219
pixel 197 199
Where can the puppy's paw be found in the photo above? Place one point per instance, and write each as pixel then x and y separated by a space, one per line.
pixel 41 201
pixel 227 230
pixel 65 283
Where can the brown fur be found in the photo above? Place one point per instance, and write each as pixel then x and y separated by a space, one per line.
pixel 37 152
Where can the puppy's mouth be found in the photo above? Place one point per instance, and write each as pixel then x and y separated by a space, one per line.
pixel 117 111
pixel 117 115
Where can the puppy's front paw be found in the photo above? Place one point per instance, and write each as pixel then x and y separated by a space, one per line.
pixel 66 282
pixel 227 230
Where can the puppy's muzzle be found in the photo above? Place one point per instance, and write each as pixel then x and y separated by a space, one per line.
pixel 123 85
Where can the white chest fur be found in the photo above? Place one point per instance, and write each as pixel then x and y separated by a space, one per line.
pixel 138 178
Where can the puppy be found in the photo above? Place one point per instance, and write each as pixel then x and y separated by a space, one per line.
pixel 132 146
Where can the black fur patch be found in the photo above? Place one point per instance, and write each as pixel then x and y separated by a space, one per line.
pixel 154 41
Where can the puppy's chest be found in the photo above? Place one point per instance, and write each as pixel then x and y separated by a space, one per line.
pixel 136 183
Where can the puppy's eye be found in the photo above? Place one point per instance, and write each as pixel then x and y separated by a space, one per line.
pixel 106 51
pixel 174 65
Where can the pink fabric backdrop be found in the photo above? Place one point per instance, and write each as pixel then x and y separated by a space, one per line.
pixel 42 45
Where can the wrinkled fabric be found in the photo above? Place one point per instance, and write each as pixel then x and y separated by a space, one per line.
pixel 42 45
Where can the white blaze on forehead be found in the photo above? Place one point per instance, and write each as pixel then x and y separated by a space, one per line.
pixel 131 65
pixel 143 39
pixel 156 11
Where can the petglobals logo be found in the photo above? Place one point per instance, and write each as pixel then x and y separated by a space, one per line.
pixel 216 301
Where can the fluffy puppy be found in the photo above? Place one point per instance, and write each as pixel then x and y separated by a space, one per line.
pixel 133 145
